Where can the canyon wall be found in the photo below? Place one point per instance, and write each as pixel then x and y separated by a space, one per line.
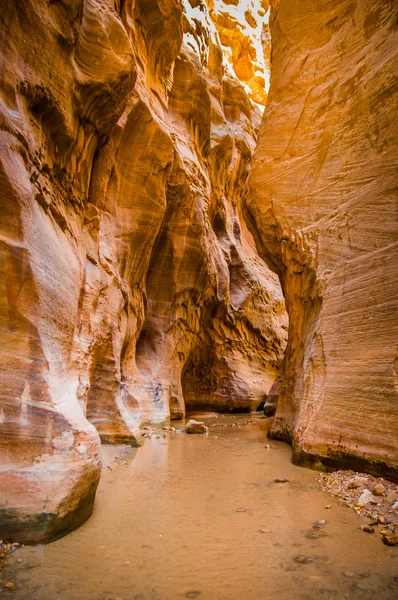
pixel 323 207
pixel 130 284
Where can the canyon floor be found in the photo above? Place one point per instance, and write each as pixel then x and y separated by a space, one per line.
pixel 201 516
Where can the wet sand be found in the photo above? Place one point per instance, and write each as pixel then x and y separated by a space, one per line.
pixel 194 516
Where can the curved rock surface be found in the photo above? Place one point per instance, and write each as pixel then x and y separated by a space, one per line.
pixel 324 211
pixel 130 283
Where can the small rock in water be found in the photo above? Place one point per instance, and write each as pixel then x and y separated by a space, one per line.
pixel 9 585
pixel 367 529
pixel 196 427
pixel 365 498
pixel 302 559
pixel 322 522
pixel 315 534
pixel 390 539
pixel 379 489
pixel 281 480
pixel 328 506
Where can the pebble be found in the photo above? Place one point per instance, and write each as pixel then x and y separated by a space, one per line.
pixel 193 594
pixel 322 522
pixel 265 531
pixel 281 480
pixel 313 534
pixel 358 481
pixel 390 539
pixel 328 506
pixel 241 510
pixel 392 497
pixel 365 498
pixel 348 574
pixel 302 559
pixel 19 560
pixel 354 485
pixel 367 529
pixel 9 585
pixel 379 490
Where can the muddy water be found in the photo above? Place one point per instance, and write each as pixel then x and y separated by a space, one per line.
pixel 191 516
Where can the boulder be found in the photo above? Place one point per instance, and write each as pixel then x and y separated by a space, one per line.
pixel 196 427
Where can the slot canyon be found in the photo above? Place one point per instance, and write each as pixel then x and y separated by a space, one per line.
pixel 199 221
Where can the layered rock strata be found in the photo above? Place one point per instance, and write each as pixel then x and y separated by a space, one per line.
pixel 323 208
pixel 131 285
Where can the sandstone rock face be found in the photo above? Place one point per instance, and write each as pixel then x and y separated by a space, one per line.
pixel 245 38
pixel 323 208
pixel 130 283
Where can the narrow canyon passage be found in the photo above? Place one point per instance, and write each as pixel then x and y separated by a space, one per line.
pixel 191 516
pixel 198 212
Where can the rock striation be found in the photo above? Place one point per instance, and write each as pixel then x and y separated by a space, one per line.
pixel 130 283
pixel 323 209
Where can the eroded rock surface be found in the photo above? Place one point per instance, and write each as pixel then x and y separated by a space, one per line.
pixel 129 277
pixel 324 211
pixel 245 37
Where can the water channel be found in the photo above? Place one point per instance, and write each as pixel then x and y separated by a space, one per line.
pixel 200 516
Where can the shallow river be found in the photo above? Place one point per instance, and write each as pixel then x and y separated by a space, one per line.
pixel 193 516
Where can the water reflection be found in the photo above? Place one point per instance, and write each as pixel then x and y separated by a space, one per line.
pixel 193 514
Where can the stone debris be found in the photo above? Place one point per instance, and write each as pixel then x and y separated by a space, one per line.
pixel 10 585
pixel 379 490
pixel 357 483
pixel 5 551
pixel 315 534
pixel 242 424
pixel 154 432
pixel 390 539
pixel 365 498
pixel 372 497
pixel 367 529
pixel 196 427
pixel 281 480
pixel 303 559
